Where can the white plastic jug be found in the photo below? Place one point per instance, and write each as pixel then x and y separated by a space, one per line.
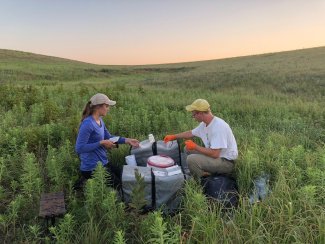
pixel 130 160
pixel 151 138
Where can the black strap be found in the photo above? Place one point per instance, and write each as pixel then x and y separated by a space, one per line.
pixel 154 148
pixel 122 192
pixel 180 158
pixel 179 153
pixel 153 189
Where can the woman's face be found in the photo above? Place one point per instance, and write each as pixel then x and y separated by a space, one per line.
pixel 103 110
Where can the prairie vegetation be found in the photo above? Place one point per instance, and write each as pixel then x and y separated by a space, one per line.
pixel 273 102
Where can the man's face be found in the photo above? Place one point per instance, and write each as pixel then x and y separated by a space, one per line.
pixel 197 115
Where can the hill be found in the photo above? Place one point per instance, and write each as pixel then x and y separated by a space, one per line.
pixel 283 71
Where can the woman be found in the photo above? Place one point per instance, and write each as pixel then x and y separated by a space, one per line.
pixel 94 139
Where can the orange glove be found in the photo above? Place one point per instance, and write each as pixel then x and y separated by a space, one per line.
pixel 169 138
pixel 190 145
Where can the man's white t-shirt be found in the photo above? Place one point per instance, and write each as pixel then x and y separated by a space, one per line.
pixel 218 135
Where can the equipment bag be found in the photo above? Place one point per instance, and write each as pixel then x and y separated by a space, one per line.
pixel 221 188
pixel 162 186
pixel 147 149
pixel 129 181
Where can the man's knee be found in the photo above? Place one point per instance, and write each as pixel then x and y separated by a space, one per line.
pixel 192 161
pixel 194 166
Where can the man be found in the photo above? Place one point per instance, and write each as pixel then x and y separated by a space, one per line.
pixel 220 149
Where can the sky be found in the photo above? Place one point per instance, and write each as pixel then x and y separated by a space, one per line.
pixel 166 31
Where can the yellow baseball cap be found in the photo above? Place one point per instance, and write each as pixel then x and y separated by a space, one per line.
pixel 201 105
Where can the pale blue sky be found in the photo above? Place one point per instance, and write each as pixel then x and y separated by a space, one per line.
pixel 142 32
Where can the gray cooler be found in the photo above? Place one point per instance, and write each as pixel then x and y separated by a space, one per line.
pixel 168 190
pixel 162 186
pixel 128 181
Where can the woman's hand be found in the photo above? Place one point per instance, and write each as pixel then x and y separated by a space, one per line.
pixel 107 144
pixel 132 142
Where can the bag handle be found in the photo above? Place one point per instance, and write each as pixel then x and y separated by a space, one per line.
pixel 153 189
pixel 154 148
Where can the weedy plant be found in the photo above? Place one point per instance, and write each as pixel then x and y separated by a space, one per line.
pixel 138 200
pixel 155 230
pixel 31 180
pixel 119 237
pixel 64 232
pixel 96 190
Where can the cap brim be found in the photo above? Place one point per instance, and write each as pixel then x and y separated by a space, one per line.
pixel 189 108
pixel 111 103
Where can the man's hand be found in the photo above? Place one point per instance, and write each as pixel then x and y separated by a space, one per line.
pixel 169 138
pixel 190 145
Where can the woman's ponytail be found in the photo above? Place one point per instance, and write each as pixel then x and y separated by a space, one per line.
pixel 88 110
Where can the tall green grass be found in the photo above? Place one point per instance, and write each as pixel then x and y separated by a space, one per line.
pixel 274 103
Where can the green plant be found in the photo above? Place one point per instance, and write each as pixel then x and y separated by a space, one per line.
pixel 119 237
pixel 36 232
pixel 158 231
pixel 12 216
pixel 90 195
pixel 93 232
pixel 113 211
pixel 194 202
pixel 64 232
pixel 31 180
pixel 2 168
pixel 153 228
pixel 138 200
pixel 55 168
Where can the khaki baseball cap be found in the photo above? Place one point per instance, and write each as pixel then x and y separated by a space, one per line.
pixel 201 105
pixel 101 98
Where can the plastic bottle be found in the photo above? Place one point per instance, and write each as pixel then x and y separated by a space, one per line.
pixel 151 138
pixel 261 188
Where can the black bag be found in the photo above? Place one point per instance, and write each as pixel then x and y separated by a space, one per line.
pixel 222 188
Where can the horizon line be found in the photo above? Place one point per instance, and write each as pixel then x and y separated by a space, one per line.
pixel 171 63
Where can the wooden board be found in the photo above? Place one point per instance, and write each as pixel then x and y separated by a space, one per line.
pixel 52 204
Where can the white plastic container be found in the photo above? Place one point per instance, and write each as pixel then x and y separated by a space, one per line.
pixel 160 161
pixel 151 138
pixel 130 160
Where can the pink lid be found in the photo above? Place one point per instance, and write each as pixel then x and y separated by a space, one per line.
pixel 160 161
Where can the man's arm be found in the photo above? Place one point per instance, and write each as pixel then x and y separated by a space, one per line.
pixel 213 153
pixel 184 135
pixel 192 146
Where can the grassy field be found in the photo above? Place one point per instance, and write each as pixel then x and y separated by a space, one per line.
pixel 273 102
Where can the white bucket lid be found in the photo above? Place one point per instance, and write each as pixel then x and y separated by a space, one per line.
pixel 160 161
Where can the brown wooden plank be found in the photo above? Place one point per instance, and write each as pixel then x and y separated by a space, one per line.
pixel 52 204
